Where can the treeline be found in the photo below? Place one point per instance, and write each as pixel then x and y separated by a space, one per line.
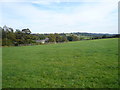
pixel 11 37
pixel 18 37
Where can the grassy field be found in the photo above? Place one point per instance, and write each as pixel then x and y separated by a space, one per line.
pixel 80 64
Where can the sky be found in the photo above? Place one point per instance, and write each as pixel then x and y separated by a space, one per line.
pixel 58 16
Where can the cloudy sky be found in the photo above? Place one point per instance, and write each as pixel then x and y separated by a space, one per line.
pixel 55 16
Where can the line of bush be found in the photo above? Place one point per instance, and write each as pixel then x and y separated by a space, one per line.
pixel 25 37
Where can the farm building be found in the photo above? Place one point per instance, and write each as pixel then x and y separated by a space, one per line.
pixel 42 41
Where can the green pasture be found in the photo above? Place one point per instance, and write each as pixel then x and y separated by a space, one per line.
pixel 80 64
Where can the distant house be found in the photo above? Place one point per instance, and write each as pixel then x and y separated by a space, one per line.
pixel 42 41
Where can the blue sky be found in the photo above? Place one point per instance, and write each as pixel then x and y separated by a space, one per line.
pixel 57 16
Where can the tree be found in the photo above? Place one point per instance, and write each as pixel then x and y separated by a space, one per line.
pixel 63 39
pixel 104 36
pixel 69 38
pixel 116 36
pixel 52 38
pixel 57 37
pixel 19 37
pixel 41 36
pixel 72 38
pixel 26 31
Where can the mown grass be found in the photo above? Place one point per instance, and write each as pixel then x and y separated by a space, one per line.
pixel 81 64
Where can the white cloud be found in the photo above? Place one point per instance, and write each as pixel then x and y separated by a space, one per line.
pixel 98 17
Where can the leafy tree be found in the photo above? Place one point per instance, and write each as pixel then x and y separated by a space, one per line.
pixel 52 38
pixel 41 36
pixel 57 37
pixel 104 36
pixel 26 31
pixel 72 38
pixel 64 39
pixel 69 38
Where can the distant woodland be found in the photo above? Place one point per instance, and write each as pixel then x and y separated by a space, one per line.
pixel 11 37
